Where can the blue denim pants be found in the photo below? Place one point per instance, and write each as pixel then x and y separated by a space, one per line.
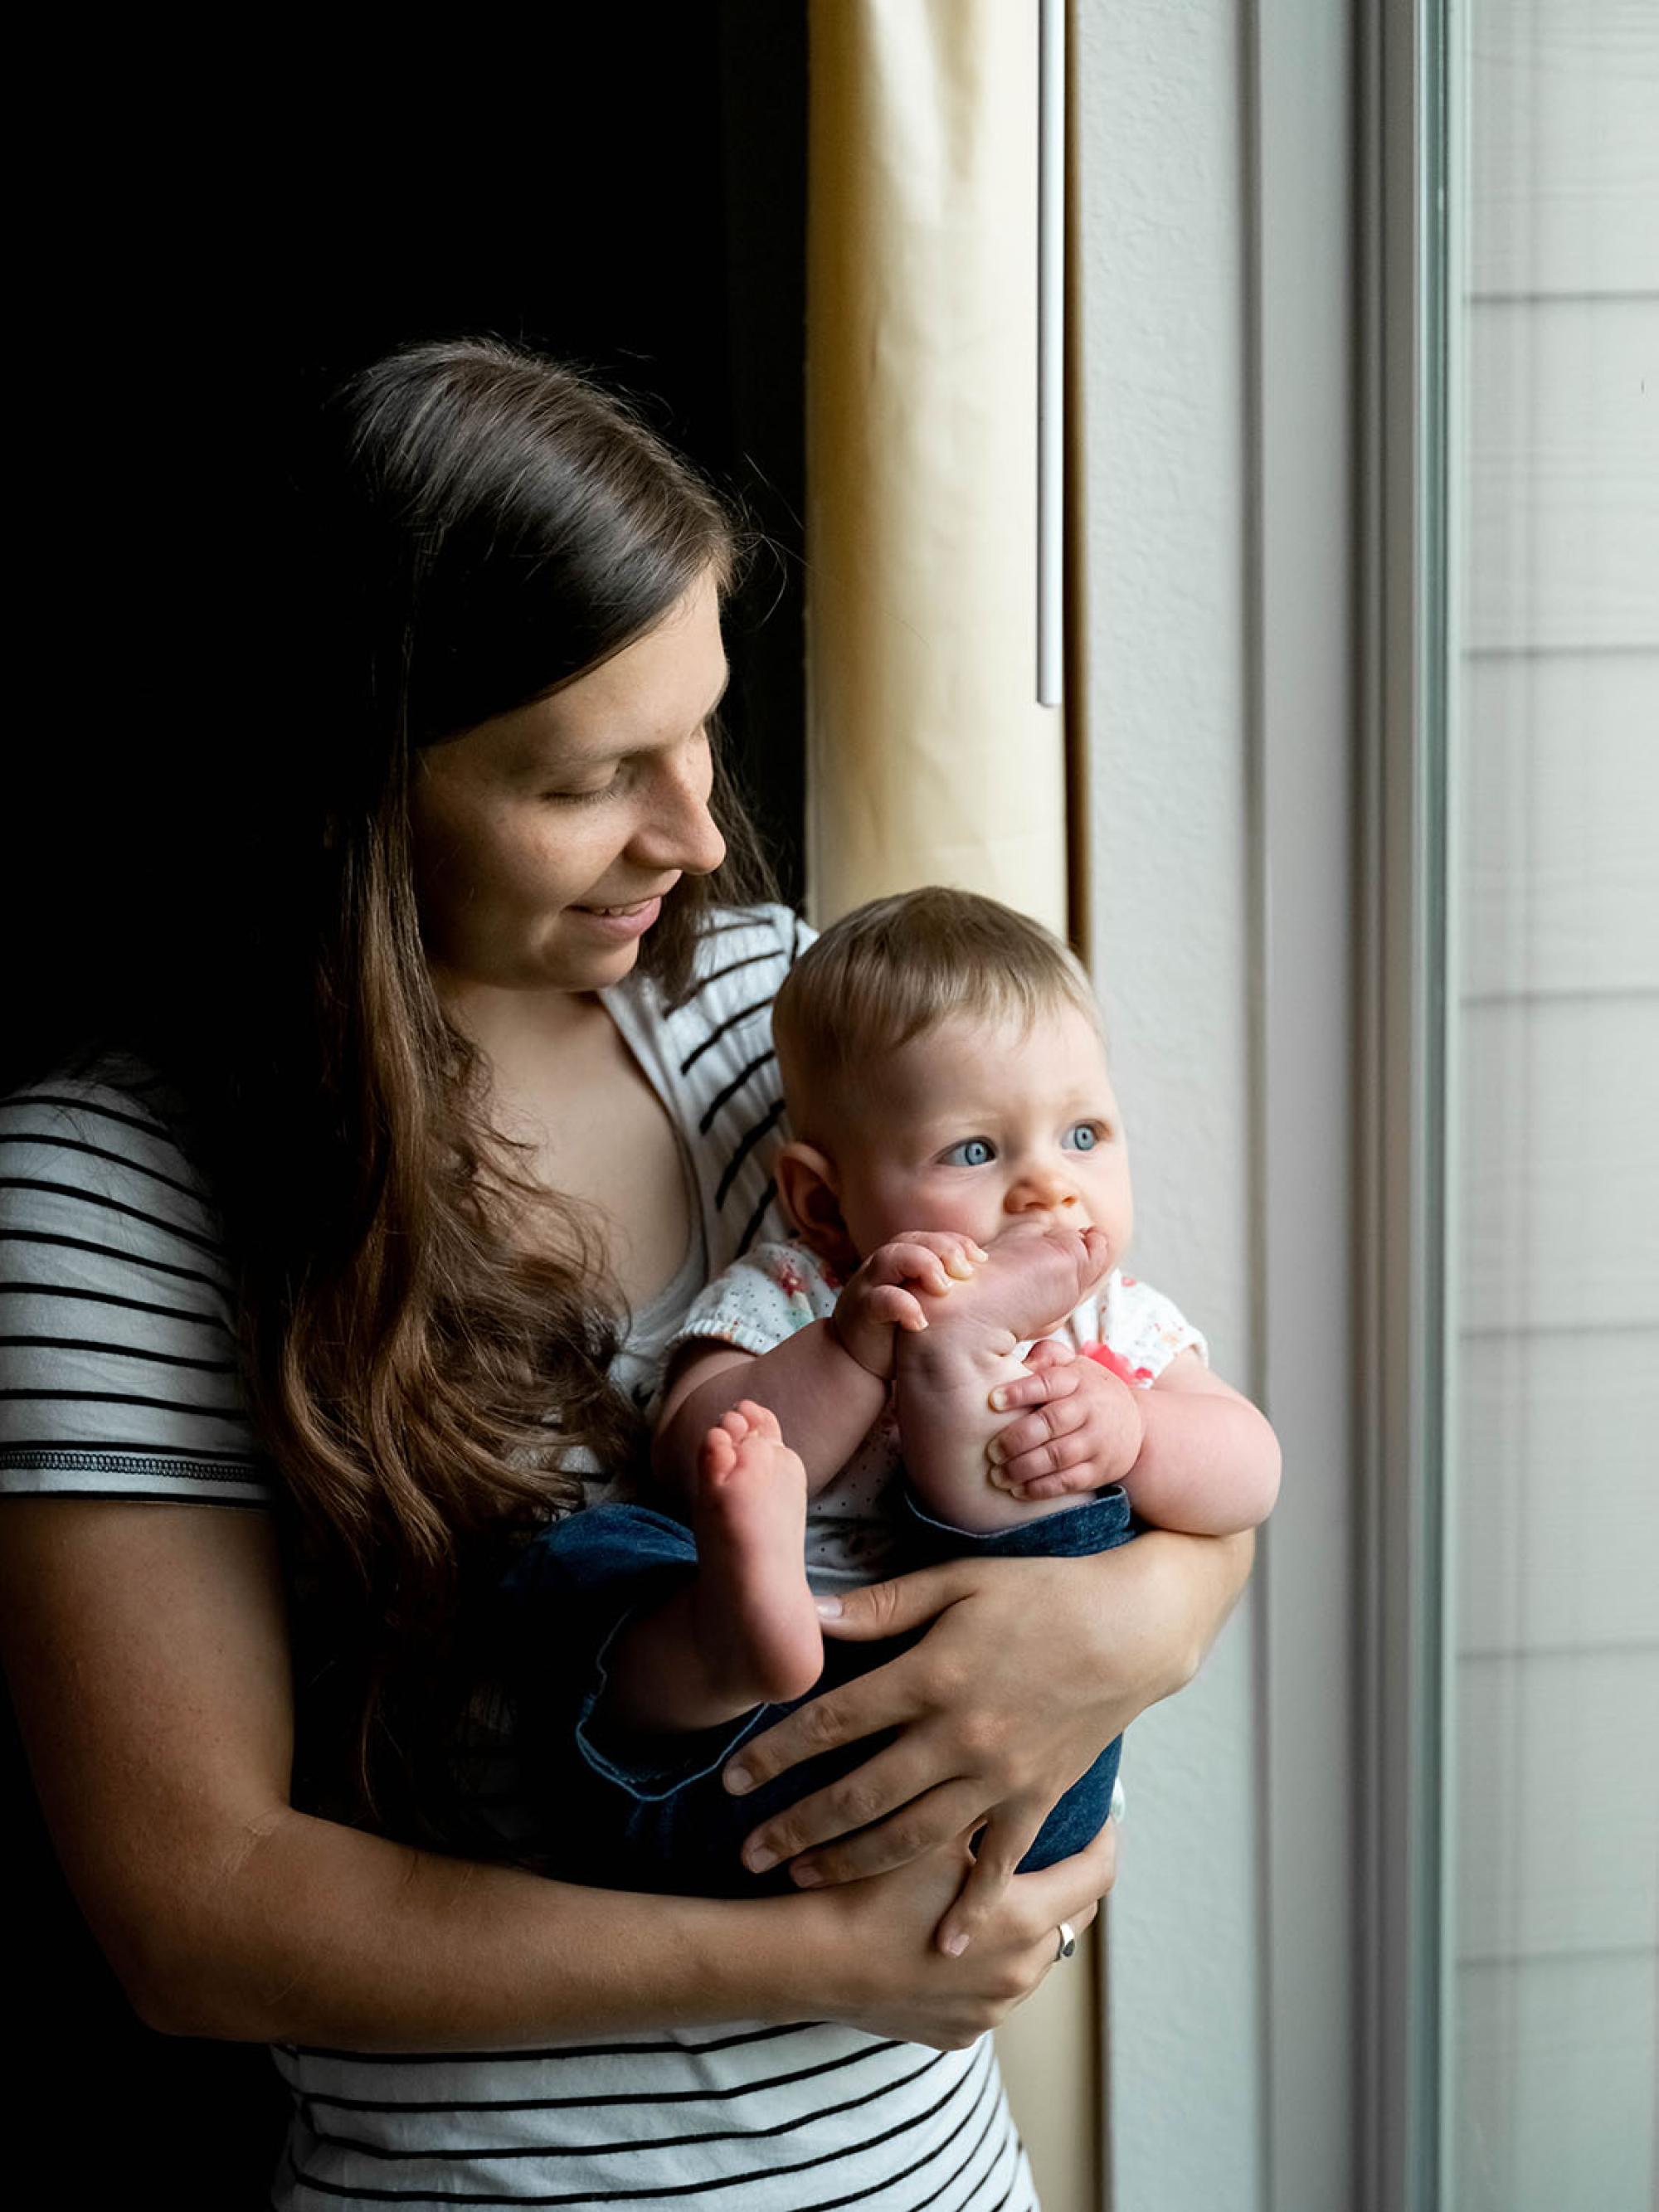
pixel 624 1809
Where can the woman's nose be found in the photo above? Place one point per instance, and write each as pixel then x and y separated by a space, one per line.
pixel 679 831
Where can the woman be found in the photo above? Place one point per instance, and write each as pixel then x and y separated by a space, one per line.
pixel 467 1196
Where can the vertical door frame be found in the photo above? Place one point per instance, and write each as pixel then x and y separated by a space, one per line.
pixel 1405 598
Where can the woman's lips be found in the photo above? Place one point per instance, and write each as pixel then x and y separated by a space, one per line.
pixel 620 922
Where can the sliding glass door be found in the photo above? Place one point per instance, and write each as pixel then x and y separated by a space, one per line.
pixel 1525 1592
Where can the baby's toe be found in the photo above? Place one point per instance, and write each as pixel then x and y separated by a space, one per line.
pixel 760 1421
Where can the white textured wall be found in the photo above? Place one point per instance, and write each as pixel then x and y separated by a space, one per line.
pixel 1162 280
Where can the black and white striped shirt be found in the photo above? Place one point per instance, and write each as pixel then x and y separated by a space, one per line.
pixel 119 1378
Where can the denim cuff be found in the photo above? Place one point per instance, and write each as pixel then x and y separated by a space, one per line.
pixel 1098 1523
pixel 648 1764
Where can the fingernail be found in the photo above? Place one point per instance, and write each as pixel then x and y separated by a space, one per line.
pixel 738 1780
pixel 759 1860
pixel 805 1877
pixel 980 1252
pixel 955 1944
pixel 999 1400
pixel 829 1608
pixel 996 1451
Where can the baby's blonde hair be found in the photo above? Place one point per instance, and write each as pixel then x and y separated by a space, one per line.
pixel 889 971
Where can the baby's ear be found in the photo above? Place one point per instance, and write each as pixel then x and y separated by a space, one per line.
pixel 807 1185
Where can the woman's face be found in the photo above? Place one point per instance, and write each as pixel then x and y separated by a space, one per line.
pixel 546 839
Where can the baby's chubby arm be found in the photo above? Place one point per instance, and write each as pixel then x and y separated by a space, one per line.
pixel 826 1383
pixel 1192 1453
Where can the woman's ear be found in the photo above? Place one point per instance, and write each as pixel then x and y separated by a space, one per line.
pixel 807 1185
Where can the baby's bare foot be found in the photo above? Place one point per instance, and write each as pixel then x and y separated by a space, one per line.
pixel 757 1624
pixel 1029 1281
pixel 944 1377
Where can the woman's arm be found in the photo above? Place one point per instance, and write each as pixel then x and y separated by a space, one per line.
pixel 147 1649
pixel 1029 1668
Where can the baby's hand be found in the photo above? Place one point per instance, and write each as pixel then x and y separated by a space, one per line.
pixel 1085 1433
pixel 1034 1276
pixel 881 1295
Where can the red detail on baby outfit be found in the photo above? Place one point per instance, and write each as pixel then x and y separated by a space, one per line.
pixel 1105 1356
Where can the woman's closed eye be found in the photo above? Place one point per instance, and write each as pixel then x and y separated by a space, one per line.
pixel 624 772
pixel 605 790
pixel 971 1153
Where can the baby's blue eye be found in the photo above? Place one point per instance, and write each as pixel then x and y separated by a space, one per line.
pixel 971 1153
pixel 1083 1136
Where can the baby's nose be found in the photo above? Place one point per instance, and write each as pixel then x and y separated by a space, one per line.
pixel 1042 1187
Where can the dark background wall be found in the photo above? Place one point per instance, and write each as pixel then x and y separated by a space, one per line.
pixel 214 237
pixel 624 188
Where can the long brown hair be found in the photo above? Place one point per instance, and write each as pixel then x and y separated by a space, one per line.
pixel 484 526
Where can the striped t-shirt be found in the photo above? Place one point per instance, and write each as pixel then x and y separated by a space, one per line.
pixel 119 1378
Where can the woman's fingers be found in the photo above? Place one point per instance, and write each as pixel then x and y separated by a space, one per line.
pixel 1002 1845
pixel 920 1824
pixel 893 1608
pixel 1069 1890
pixel 856 1709
pixel 896 1778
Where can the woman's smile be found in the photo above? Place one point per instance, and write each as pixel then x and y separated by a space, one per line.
pixel 621 922
pixel 604 783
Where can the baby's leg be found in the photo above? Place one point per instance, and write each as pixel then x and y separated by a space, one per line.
pixel 946 1374
pixel 743 1630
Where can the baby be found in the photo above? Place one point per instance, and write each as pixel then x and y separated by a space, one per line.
pixel 835 1410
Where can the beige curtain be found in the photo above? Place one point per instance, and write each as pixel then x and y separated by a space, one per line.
pixel 929 759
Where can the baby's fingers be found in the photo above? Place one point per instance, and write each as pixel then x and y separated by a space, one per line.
pixel 932 1258
pixel 1049 1353
pixel 1039 1388
pixel 889 1304
pixel 1023 1439
pixel 1098 1245
pixel 1082 1481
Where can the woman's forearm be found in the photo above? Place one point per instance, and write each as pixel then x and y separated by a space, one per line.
pixel 147 1657
pixel 1186 1587
pixel 322 1934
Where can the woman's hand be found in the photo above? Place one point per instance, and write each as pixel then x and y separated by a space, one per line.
pixel 1029 1670
pixel 878 1932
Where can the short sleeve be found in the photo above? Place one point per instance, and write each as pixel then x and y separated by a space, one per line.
pixel 118 1368
pixel 1145 1329
pixel 761 1299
